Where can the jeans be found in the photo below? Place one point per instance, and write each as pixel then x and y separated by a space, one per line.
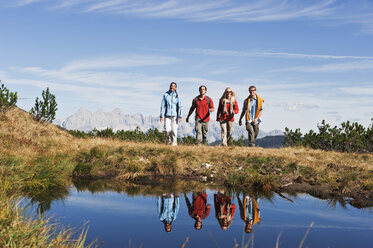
pixel 226 131
pixel 253 130
pixel 170 129
pixel 201 131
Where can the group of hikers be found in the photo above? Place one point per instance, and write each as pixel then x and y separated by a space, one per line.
pixel 171 109
pixel 199 209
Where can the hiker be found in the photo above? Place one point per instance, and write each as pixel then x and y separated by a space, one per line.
pixel 171 112
pixel 168 208
pixel 249 211
pixel 252 106
pixel 203 106
pixel 224 209
pixel 228 107
pixel 200 209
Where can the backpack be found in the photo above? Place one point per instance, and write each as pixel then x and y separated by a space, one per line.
pixel 196 100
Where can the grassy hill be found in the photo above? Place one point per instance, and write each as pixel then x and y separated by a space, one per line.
pixel 40 156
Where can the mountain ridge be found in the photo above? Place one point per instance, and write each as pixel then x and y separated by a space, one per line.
pixel 84 120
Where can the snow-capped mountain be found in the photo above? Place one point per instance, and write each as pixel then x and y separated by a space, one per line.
pixel 85 120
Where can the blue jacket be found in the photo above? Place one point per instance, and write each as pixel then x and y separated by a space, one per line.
pixel 170 105
pixel 168 208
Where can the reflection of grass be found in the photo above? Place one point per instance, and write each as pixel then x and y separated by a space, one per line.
pixel 18 229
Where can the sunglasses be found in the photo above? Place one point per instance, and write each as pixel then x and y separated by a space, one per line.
pixel 229 92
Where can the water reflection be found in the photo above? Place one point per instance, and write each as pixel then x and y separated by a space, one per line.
pixel 168 208
pixel 224 209
pixel 199 209
pixel 249 211
pixel 163 215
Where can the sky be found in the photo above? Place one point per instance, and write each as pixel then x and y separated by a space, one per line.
pixel 310 60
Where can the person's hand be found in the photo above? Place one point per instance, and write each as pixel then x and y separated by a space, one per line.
pixel 160 119
pixel 255 120
pixel 240 123
pixel 179 119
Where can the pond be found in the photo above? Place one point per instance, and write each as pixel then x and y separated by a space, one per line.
pixel 142 218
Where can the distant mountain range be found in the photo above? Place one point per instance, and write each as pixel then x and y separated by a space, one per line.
pixel 85 120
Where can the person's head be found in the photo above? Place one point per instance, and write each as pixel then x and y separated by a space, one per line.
pixel 202 90
pixel 173 86
pixel 224 223
pixel 167 227
pixel 228 93
pixel 248 227
pixel 252 90
pixel 198 224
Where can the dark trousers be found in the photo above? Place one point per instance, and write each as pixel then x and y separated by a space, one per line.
pixel 253 130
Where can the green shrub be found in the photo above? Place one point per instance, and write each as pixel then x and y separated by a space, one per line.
pixel 350 137
pixel 7 98
pixel 45 109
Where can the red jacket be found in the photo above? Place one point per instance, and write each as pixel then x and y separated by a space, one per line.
pixel 226 117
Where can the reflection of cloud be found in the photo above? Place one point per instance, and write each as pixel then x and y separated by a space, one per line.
pixel 99 202
pixel 343 227
pixel 295 106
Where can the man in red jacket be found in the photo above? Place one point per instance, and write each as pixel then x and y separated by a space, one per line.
pixel 203 106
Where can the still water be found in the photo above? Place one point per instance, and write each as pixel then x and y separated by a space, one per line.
pixel 117 219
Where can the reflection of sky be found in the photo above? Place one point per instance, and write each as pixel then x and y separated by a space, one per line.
pixel 108 201
pixel 118 219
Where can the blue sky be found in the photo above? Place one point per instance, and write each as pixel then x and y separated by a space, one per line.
pixel 310 60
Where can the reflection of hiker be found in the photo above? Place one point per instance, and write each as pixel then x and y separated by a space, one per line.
pixel 203 106
pixel 168 208
pixel 200 209
pixel 249 211
pixel 224 210
pixel 228 107
pixel 171 111
pixel 252 106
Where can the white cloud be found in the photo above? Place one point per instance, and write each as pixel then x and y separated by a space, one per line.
pixel 357 90
pixel 233 53
pixel 119 62
pixel 330 11
pixel 295 106
pixel 333 67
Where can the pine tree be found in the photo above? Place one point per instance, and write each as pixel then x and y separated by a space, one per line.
pixel 7 99
pixel 45 109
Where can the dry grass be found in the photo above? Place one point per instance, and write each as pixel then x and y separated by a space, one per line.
pixel 24 141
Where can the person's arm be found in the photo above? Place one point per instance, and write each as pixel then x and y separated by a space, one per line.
pixel 243 112
pixel 260 113
pixel 163 102
pixel 188 204
pixel 180 109
pixel 236 110
pixel 219 111
pixel 190 111
pixel 212 109
pixel 257 118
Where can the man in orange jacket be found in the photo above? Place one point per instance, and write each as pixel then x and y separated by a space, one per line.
pixel 253 107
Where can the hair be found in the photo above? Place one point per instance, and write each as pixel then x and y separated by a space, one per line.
pixel 177 95
pixel 196 226
pixel 221 223
pixel 202 86
pixel 233 96
pixel 251 87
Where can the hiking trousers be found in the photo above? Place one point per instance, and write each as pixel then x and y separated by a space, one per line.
pixel 253 130
pixel 226 132
pixel 201 129
pixel 170 129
